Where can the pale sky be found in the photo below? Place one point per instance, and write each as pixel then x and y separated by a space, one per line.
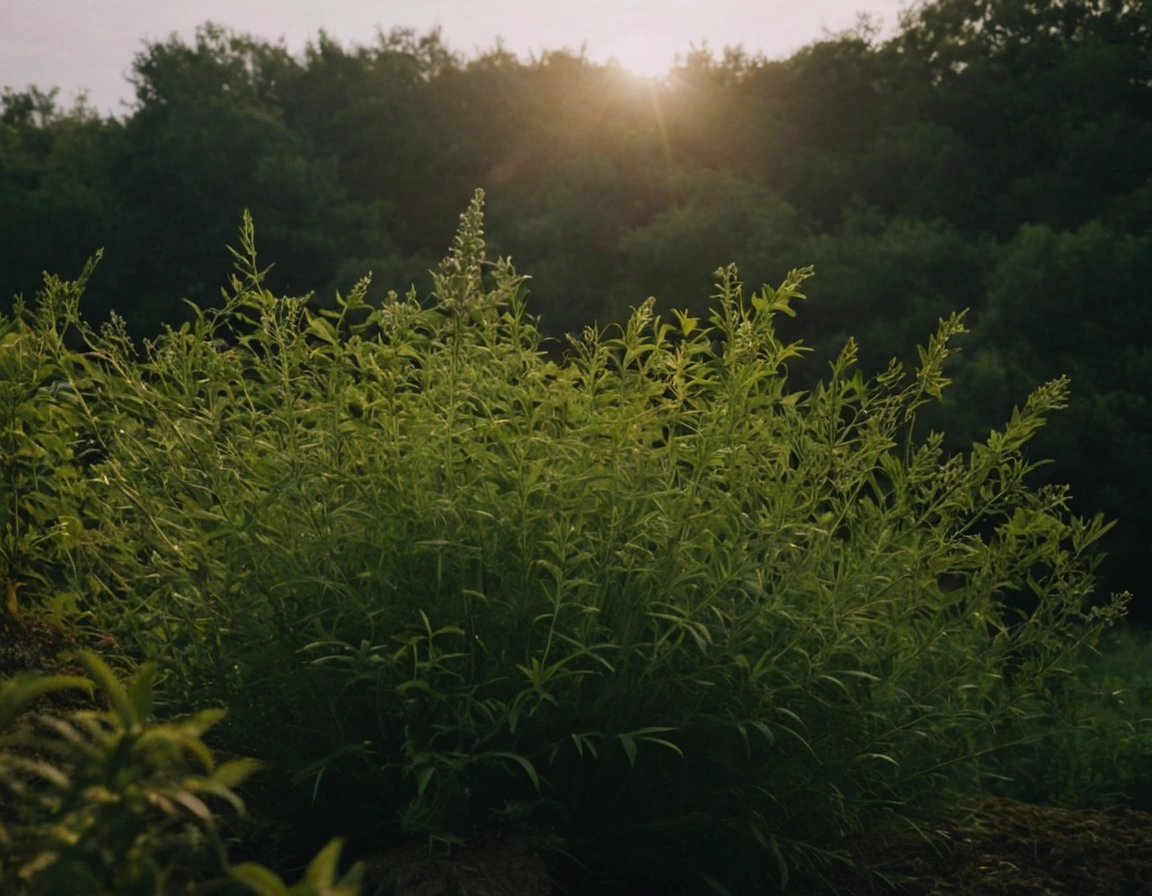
pixel 90 44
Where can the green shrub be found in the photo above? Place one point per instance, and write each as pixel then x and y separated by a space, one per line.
pixel 115 802
pixel 40 457
pixel 649 599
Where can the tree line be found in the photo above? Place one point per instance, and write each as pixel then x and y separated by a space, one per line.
pixel 994 155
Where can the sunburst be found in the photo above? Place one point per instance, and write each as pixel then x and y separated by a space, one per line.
pixel 643 53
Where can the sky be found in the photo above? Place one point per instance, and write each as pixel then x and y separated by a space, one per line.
pixel 89 44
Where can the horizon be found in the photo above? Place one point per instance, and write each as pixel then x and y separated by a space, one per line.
pixel 79 48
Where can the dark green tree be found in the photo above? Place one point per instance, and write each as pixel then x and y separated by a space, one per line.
pixel 1076 302
pixel 208 139
pixel 56 190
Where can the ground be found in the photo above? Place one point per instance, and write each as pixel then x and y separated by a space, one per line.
pixel 1016 849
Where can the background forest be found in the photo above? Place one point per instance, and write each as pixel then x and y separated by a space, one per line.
pixel 994 155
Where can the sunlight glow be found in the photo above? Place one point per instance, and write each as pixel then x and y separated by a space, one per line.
pixel 643 53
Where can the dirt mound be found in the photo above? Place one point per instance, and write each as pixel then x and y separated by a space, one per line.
pixel 1044 851
pixel 1000 847
pixel 494 866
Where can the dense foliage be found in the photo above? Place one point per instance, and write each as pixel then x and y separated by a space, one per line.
pixel 656 603
pixel 112 802
pixel 993 155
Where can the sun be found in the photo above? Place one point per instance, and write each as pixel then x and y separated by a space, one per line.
pixel 643 53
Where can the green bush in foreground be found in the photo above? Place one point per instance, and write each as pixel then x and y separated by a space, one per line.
pixel 96 802
pixel 648 600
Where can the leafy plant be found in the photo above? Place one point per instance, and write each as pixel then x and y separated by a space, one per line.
pixel 104 801
pixel 114 802
pixel 41 486
pixel 321 878
pixel 650 598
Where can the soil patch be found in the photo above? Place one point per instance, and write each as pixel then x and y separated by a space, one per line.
pixel 1001 847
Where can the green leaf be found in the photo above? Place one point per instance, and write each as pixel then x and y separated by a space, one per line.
pixel 882 757
pixel 140 692
pixel 122 705
pixel 659 741
pixel 321 871
pixel 585 741
pixel 422 778
pixel 259 879
pixel 16 694
pixel 235 772
pixel 781 864
pixel 322 329
pixel 629 745
pixel 529 768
